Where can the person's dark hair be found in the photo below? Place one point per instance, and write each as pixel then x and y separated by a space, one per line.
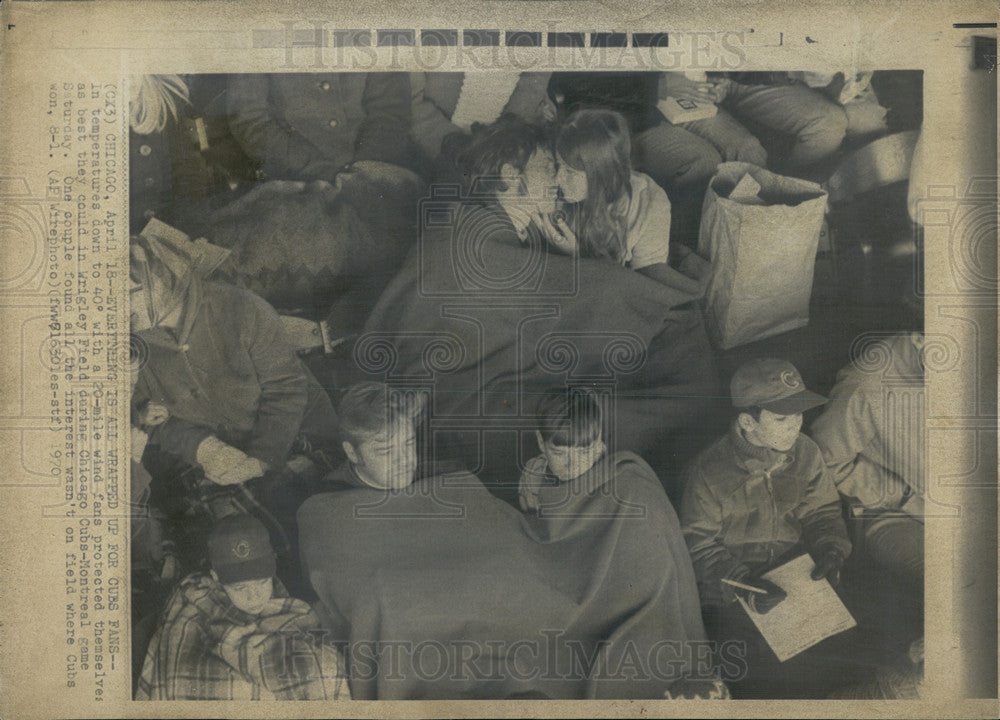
pixel 570 418
pixel 369 408
pixel 508 140
pixel 597 143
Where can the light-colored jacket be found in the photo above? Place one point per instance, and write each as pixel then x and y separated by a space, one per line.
pixel 229 370
pixel 871 431
pixel 436 94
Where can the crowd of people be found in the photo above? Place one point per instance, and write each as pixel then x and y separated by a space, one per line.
pixel 271 450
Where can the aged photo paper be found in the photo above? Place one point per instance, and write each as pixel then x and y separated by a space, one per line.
pixel 485 358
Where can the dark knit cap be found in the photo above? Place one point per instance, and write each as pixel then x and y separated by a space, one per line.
pixel 239 549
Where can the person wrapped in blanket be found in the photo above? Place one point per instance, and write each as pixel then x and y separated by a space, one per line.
pixel 603 209
pixel 574 456
pixel 234 634
pixel 755 498
pixel 220 392
pixel 491 239
pixel 608 578
pixel 379 430
pixel 378 426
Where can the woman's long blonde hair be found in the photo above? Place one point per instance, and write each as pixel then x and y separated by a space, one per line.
pixel 597 143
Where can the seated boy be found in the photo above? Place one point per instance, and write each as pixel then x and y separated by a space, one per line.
pixel 234 634
pixel 576 483
pixel 379 430
pixel 378 427
pixel 755 498
pixel 571 442
pixel 609 573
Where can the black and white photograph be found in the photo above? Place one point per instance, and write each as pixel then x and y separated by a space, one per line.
pixel 548 358
pixel 526 385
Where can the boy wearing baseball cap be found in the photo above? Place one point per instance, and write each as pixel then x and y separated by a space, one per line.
pixel 234 634
pixel 242 562
pixel 760 495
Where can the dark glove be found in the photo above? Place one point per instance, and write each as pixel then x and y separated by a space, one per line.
pixel 759 602
pixel 829 560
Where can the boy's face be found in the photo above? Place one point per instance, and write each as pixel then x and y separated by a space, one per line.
pixel 387 460
pixel 569 462
pixel 778 432
pixel 250 596
pixel 538 181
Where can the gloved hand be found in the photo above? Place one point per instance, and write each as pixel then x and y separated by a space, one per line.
pixel 829 559
pixel 225 465
pixel 762 603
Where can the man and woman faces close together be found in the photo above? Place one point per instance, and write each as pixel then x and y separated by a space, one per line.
pixel 588 168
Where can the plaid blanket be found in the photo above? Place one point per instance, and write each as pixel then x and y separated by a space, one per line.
pixel 207 649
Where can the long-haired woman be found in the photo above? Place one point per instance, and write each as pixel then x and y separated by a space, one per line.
pixel 618 214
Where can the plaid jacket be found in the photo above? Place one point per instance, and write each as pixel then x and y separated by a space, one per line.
pixel 207 649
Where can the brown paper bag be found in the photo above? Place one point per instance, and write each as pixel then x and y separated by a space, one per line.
pixel 762 251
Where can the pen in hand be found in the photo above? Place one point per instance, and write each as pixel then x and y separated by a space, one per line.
pixel 760 599
pixel 744 586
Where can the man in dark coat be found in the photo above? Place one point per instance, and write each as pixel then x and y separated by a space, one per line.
pixel 312 126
